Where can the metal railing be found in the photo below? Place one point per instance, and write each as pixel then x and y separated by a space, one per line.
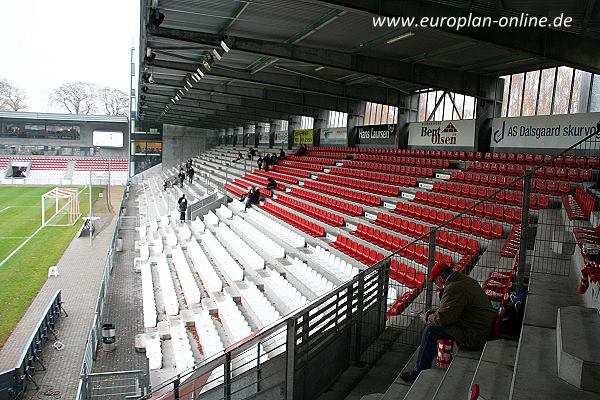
pixel 15 381
pixel 196 208
pixel 85 387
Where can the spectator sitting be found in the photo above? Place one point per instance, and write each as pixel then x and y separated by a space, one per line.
pixel 251 153
pixel 281 154
pixel 465 315
pixel 165 184
pixel 239 157
pixel 274 158
pixel 259 162
pixel 252 196
pixel 271 184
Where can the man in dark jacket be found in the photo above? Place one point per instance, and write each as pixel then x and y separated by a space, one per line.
pixel 181 177
pixel 271 183
pixel 182 205
pixel 191 173
pixel 465 315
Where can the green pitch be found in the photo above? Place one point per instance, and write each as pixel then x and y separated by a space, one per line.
pixel 24 273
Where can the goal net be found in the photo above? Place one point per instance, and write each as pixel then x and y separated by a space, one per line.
pixel 60 207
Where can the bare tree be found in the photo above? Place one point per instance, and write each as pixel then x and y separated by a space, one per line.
pixel 12 98
pixel 113 101
pixel 75 97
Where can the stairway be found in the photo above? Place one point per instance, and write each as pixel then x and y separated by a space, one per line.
pixel 70 169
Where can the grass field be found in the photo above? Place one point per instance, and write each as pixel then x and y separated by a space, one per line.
pixel 24 273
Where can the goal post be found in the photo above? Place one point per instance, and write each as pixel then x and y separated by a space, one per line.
pixel 60 207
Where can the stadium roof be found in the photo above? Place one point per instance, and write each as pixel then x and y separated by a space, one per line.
pixel 62 117
pixel 292 57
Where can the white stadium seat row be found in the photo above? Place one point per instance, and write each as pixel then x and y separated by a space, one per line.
pixel 223 259
pixel 224 212
pixel 198 226
pixel 205 270
pixel 239 249
pixel 259 304
pixel 333 263
pixel 287 235
pixel 311 278
pixel 186 279
pixel 182 349
pixel 166 285
pixel 154 352
pixel 148 300
pixel 233 319
pixel 252 235
pixel 211 219
pixel 207 332
pixel 285 290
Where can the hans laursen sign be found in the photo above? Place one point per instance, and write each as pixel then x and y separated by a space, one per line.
pixel 376 134
pixel 546 132
pixel 456 133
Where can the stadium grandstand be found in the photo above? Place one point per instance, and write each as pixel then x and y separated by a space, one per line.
pixel 397 148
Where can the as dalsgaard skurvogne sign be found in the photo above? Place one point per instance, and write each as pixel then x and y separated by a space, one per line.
pixel 376 134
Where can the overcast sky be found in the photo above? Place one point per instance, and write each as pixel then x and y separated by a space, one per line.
pixel 45 43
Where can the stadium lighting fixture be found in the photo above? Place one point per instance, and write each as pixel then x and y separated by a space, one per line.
pixel 215 54
pixel 405 35
pixel 187 89
pixel 177 97
pixel 181 92
pixel 319 68
pixel 225 47
pixel 199 71
pixel 194 78
pixel 189 84
pixel 206 64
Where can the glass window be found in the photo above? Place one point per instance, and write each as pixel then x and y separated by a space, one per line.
pixel 547 85
pixel 532 80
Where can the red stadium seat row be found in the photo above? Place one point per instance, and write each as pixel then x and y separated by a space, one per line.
pixel 235 190
pixel 357 251
pixel 377 188
pixel 403 302
pixel 301 166
pixel 415 252
pixel 259 180
pixel 375 177
pixel 532 159
pixel 419 172
pixel 450 155
pixel 467 263
pixel 537 185
pixel 362 198
pixel 243 185
pixel 479 193
pixel 315 212
pixel 413 161
pixel 580 205
pixel 291 171
pixel 327 154
pixel 488 211
pixel 510 247
pixel 313 160
pixel 341 206
pixel 587 235
pixel 277 177
pixel 554 173
pixel 406 276
pixel 293 219
pixel 475 227
pixel 451 241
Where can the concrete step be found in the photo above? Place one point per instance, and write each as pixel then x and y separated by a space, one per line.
pixel 457 380
pixel 495 370
pixel 535 375
pixel 374 396
pixel 426 385
pixel 577 333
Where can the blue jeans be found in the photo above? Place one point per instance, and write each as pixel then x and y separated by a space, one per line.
pixel 428 350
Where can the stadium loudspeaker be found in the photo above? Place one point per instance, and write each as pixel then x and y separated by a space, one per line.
pixel 156 18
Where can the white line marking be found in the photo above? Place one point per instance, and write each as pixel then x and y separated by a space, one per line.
pixel 13 237
pixel 5 208
pixel 8 257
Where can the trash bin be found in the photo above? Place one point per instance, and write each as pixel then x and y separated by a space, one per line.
pixel 119 244
pixel 108 337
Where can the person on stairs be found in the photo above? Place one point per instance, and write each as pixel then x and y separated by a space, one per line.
pixel 181 176
pixel 190 174
pixel 465 315
pixel 271 183
pixel 182 206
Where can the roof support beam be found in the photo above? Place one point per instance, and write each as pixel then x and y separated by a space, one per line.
pixel 544 43
pixel 296 83
pixel 420 74
pixel 245 112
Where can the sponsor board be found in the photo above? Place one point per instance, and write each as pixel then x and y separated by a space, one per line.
pixel 377 134
pixel 350 226
pixel 426 186
pixel 442 176
pixel 454 133
pixel 409 196
pixel 546 132
pixel 263 138
pixel 326 170
pixel 303 136
pixel 339 164
pixel 389 205
pixel 331 237
pixel 281 137
pixel 370 216
pixel 337 136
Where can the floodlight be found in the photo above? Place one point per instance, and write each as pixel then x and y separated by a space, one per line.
pixel 405 35
pixel 215 54
pixel 225 47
